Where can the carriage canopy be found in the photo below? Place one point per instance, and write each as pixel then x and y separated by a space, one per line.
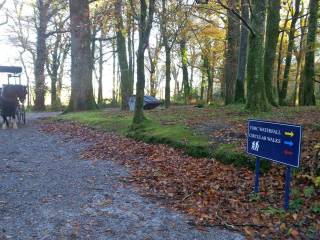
pixel 10 69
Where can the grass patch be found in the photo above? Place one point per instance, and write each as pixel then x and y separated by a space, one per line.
pixel 154 130
pixel 174 127
pixel 176 136
pixel 151 131
pixel 118 123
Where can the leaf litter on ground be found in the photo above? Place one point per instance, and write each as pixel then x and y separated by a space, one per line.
pixel 212 193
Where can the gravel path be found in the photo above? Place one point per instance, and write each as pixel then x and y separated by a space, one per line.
pixel 47 192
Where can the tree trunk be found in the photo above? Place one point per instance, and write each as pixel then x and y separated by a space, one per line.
pixel 41 49
pixel 207 68
pixel 130 29
pixel 153 60
pixel 185 76
pixel 272 35
pixel 299 57
pixel 165 42
pixel 27 77
pixel 203 77
pixel 308 96
pixel 233 34
pixel 114 98
pixel 280 58
pixel 223 77
pixel 257 99
pixel 203 70
pixel 122 58
pixel 100 87
pixel 145 25
pixel 168 76
pixel 133 57
pixel 61 74
pixel 52 69
pixel 175 74
pixel 81 70
pixel 138 116
pixel 284 88
pixel 243 53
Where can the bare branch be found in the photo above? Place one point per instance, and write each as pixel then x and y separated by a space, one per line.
pixel 239 16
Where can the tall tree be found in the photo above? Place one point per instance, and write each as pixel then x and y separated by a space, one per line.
pixel 167 52
pixel 131 50
pixel 243 53
pixel 272 34
pixel 122 57
pixel 185 75
pixel 308 96
pixel 233 36
pixel 81 70
pixel 172 22
pixel 256 92
pixel 21 30
pixel 145 26
pixel 175 75
pixel 58 46
pixel 2 3
pixel 153 57
pixel 284 88
pixel 114 98
pixel 57 55
pixel 207 68
pixel 300 53
pixel 280 53
pixel 42 7
pixel 101 60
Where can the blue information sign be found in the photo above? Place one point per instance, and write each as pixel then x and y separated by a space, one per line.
pixel 274 141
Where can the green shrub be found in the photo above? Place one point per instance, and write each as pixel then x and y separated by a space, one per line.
pixel 200 104
pixel 296 204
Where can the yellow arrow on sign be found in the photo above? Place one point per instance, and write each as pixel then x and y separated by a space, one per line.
pixel 289 134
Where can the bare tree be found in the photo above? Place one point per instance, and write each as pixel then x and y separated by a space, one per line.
pixel 1 6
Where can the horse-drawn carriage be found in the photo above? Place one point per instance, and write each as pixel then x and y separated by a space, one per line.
pixel 12 97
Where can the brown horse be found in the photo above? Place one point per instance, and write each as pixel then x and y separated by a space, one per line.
pixel 9 101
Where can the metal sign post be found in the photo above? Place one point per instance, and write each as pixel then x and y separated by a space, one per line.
pixel 256 185
pixel 287 188
pixel 277 142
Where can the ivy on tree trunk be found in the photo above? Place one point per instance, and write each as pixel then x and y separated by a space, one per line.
pixel 272 34
pixel 257 99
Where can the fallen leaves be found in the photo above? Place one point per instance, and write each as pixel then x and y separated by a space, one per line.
pixel 213 193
